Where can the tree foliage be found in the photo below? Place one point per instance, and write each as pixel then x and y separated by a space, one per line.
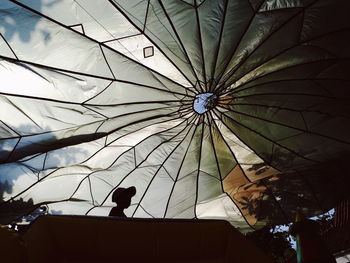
pixel 275 241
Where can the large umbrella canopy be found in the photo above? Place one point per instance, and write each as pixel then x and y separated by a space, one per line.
pixel 232 109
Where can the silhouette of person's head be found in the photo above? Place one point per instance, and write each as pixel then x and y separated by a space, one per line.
pixel 122 196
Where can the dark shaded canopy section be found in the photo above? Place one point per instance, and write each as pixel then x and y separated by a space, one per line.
pixel 102 94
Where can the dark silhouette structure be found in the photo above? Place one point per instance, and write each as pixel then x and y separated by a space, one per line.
pixel 122 197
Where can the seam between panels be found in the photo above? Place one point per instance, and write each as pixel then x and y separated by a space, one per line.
pixel 290 48
pixel 188 110
pixel 75 1
pixel 288 126
pixel 329 60
pixel 81 25
pixel 262 42
pixel 14 131
pixel 23 191
pixel 44 162
pixel 201 48
pixel 293 110
pixel 240 210
pixel 217 52
pixel 159 20
pixel 229 148
pixel 96 131
pixel 179 170
pixel 302 25
pixel 28 158
pixel 238 42
pixel 137 121
pixel 94 41
pixel 332 57
pixel 304 121
pixel 40 98
pixel 209 116
pixel 103 180
pixel 121 181
pixel 146 16
pixel 105 142
pixel 145 119
pixel 132 23
pixel 210 119
pixel 97 94
pixel 198 168
pixel 147 86
pixel 94 138
pixel 107 133
pixel 315 81
pixel 251 6
pixel 35 134
pixel 161 165
pixel 182 45
pixel 9 46
pixel 272 152
pixel 121 38
pixel 203 1
pixel 265 106
pixel 237 90
pixel 128 113
pixel 57 69
pixel 286 93
pixel 152 151
pixel 87 105
pixel 238 164
pixel 299 44
pixel 13 150
pixel 88 108
pixel 137 103
pixel 36 172
pixel 327 68
pixel 105 59
pixel 250 148
pixel 126 125
pixel 134 153
pixel 168 174
pixel 209 175
pixel 268 139
pixel 80 163
pixel 187 3
pixel 92 196
pixel 144 209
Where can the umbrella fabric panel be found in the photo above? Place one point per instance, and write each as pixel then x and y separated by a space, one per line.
pixel 34 31
pixel 212 109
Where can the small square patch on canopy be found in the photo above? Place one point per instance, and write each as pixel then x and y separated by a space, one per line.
pixel 148 52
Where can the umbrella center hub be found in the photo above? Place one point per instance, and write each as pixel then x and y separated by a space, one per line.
pixel 204 102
